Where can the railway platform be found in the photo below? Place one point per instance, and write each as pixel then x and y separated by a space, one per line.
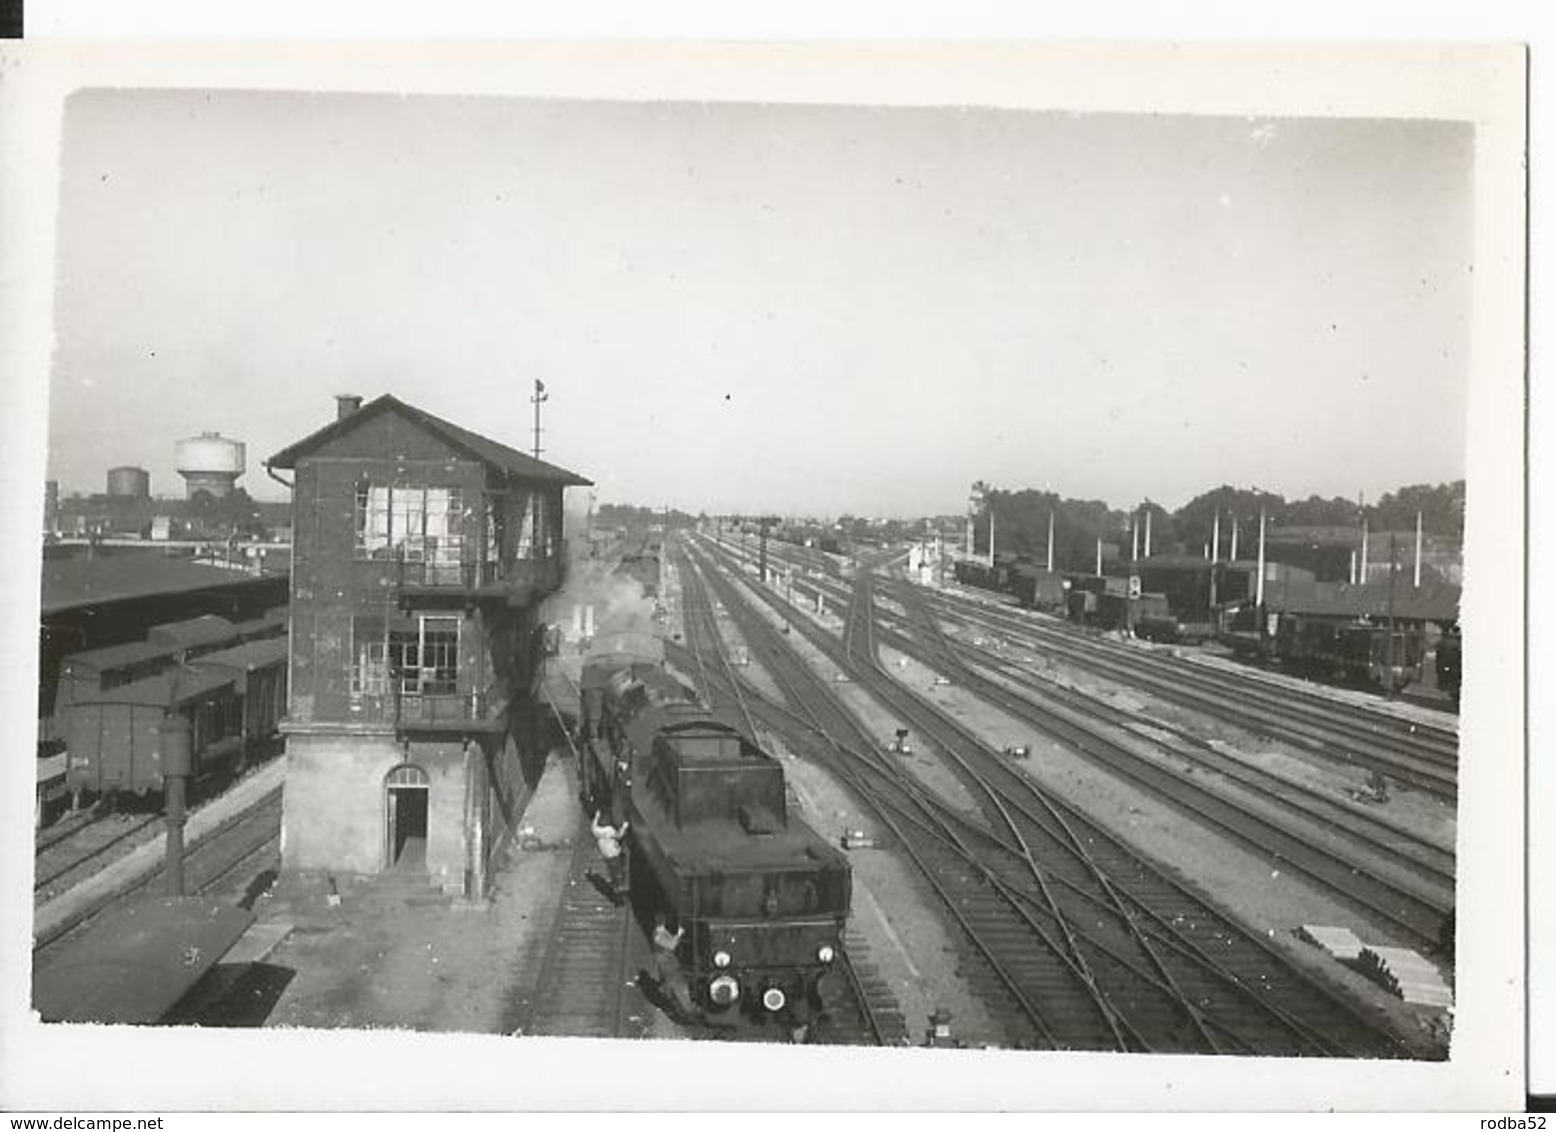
pixel 364 961
pixel 59 915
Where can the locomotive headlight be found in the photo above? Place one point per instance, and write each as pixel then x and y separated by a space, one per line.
pixel 773 999
pixel 721 959
pixel 825 954
pixel 724 990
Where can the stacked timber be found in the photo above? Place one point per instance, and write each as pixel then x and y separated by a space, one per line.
pixel 1406 974
pixel 1341 943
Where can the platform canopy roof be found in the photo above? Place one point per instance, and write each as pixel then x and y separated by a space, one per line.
pixel 77 582
pixel 475 445
pixel 133 965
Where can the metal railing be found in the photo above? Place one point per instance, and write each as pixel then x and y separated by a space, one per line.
pixel 428 708
pixel 541 573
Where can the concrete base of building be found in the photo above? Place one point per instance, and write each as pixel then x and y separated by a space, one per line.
pixel 363 802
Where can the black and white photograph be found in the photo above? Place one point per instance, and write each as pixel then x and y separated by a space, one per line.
pixel 983 577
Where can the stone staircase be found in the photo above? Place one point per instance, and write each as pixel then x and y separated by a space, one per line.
pixel 407 888
pixel 407 882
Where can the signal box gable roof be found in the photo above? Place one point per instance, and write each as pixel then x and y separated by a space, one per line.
pixel 473 444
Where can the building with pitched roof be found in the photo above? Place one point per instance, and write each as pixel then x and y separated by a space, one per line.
pixel 421 553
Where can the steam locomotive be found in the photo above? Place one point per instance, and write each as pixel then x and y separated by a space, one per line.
pixel 762 897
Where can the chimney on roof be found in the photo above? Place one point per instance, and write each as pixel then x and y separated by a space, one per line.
pixel 346 404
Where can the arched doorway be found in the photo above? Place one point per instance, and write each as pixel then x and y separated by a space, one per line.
pixel 405 801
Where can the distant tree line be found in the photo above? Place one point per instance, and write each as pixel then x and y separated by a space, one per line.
pixel 1021 519
pixel 632 518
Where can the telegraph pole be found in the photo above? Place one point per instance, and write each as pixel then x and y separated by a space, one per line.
pixel 1393 660
pixel 1418 551
pixel 537 399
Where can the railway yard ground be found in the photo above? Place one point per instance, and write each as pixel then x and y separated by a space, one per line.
pixel 370 953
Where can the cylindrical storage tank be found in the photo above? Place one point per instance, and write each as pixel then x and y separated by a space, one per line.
pixel 209 462
pixel 134 483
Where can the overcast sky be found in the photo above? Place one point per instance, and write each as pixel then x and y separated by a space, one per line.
pixel 777 308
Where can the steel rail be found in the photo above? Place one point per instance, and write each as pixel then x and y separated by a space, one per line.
pixel 1427 756
pixel 1324 1045
pixel 1412 739
pixel 1032 1010
pixel 947 815
pixel 864 588
pixel 820 637
pixel 1418 914
pixel 1374 833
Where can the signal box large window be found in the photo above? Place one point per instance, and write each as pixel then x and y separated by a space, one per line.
pixel 416 524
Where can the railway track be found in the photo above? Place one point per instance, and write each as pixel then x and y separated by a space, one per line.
pixel 860 1008
pixel 1413 753
pixel 224 861
pixel 1333 835
pixel 1394 878
pixel 587 983
pixel 1418 863
pixel 64 855
pixel 1082 953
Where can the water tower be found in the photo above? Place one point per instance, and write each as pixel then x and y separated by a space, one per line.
pixel 209 462
pixel 129 482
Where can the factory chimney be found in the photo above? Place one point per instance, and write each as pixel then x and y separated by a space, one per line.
pixel 346 404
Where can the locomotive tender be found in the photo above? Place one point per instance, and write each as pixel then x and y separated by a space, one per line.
pixel 762 897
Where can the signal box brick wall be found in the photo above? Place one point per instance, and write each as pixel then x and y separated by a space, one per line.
pixel 332 585
pixel 415 640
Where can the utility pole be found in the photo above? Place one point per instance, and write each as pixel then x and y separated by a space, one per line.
pixel 1393 660
pixel 1215 558
pixel 764 524
pixel 538 398
pixel 176 742
pixel 1258 600
pixel 1050 542
pixel 1418 551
